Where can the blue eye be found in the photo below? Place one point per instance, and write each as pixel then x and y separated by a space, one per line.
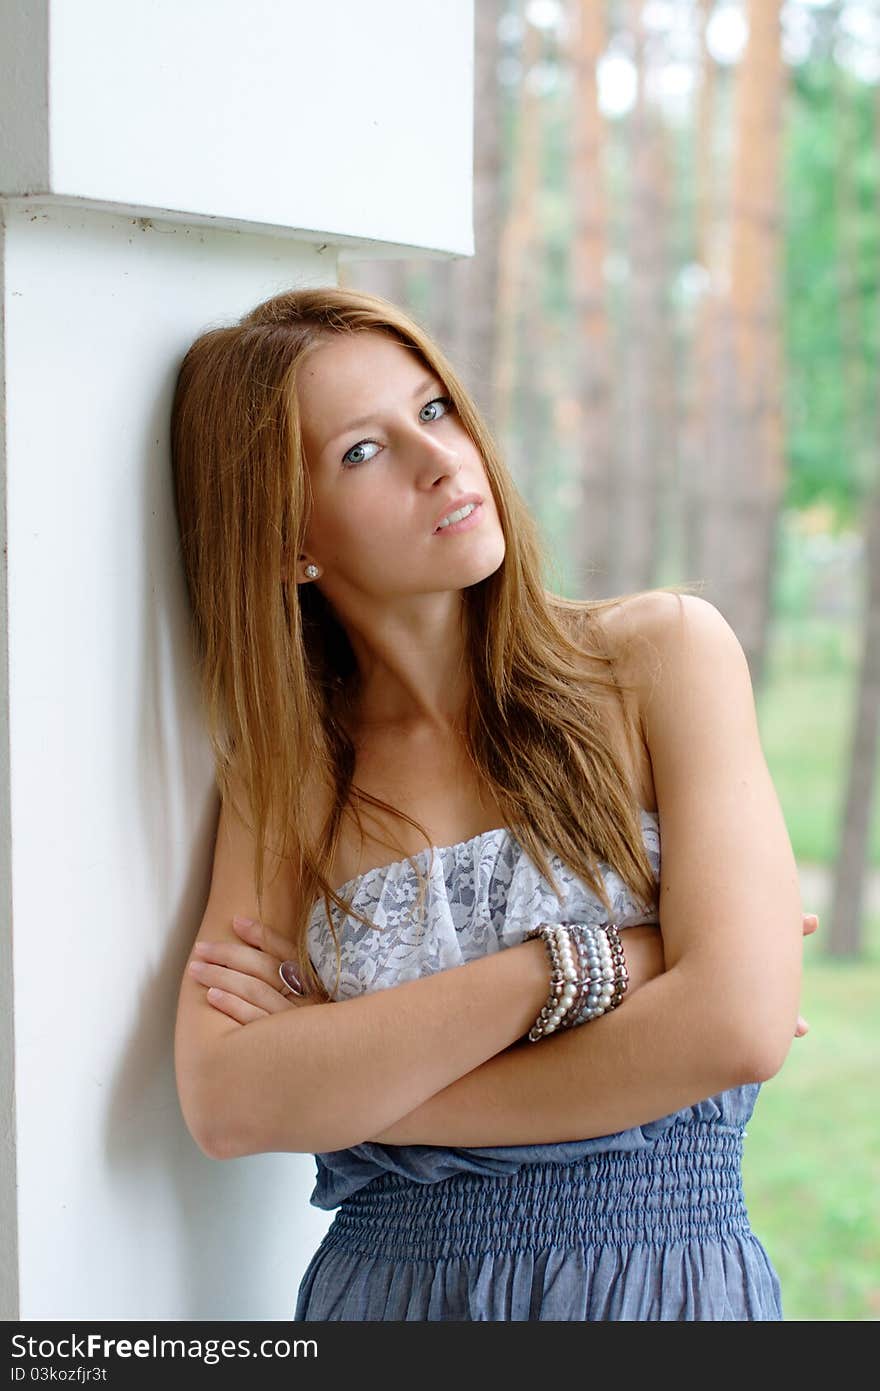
pixel 445 401
pixel 350 463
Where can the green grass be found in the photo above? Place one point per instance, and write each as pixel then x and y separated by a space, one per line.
pixel 804 723
pixel 805 714
pixel 811 1167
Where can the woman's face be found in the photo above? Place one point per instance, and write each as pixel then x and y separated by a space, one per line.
pixel 388 460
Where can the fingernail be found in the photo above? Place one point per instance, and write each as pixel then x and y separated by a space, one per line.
pixel 244 922
pixel 289 974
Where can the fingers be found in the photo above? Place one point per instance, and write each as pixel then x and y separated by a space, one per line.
pixel 239 958
pixel 262 937
pixel 265 997
pixel 810 923
pixel 240 1010
pixel 802 1027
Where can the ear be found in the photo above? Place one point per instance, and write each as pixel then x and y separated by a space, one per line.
pixel 300 573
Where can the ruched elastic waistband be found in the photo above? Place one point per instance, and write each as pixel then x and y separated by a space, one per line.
pixel 686 1185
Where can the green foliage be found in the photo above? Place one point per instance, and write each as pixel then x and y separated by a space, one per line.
pixel 829 112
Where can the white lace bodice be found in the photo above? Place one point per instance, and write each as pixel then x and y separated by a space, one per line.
pixel 483 895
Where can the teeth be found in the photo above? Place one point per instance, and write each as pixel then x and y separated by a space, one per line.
pixel 458 516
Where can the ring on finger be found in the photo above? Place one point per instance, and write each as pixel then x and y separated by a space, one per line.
pixel 291 983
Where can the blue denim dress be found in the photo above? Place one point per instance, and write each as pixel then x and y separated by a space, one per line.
pixel 648 1223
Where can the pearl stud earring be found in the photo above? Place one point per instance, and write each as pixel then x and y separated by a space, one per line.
pixel 312 571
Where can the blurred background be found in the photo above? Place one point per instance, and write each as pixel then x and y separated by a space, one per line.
pixel 672 323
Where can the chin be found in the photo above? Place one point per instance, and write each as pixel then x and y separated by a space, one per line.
pixel 483 567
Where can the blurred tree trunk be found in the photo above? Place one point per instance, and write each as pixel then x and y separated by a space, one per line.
pixel 854 351
pixel 515 262
pixel 590 537
pixel 702 519
pixel 534 467
pixel 846 933
pixel 645 417
pixel 713 456
pixel 846 936
pixel 758 479
pixel 464 292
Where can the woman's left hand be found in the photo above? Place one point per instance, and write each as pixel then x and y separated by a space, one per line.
pixel 242 979
pixel 810 923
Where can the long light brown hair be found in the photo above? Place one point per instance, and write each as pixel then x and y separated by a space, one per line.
pixel 278 674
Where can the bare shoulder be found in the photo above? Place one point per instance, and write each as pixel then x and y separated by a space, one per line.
pixel 654 637
pixel 639 620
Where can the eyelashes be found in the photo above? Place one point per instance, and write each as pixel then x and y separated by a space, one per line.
pixel 445 401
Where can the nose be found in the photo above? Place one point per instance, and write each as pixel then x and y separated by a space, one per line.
pixel 437 460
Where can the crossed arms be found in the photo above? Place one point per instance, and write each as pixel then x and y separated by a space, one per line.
pixel 436 1061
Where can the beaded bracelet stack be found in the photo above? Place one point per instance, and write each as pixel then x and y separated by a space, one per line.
pixel 588 975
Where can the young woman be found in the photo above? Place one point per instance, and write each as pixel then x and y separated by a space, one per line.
pixel 422 755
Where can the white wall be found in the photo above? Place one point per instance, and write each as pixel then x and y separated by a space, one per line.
pixel 112 803
pixel 345 119
pixel 107 814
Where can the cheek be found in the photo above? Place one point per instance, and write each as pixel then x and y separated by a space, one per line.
pixel 358 534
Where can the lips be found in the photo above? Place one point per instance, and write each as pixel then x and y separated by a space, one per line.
pixel 455 504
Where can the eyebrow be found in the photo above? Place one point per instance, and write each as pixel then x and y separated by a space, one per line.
pixel 369 419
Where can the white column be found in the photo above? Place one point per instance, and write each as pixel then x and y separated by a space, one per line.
pixel 162 168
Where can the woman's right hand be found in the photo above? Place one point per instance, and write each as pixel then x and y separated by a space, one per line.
pixel 810 923
pixel 643 951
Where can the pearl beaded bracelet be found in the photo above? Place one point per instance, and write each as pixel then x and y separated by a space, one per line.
pixel 588 975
